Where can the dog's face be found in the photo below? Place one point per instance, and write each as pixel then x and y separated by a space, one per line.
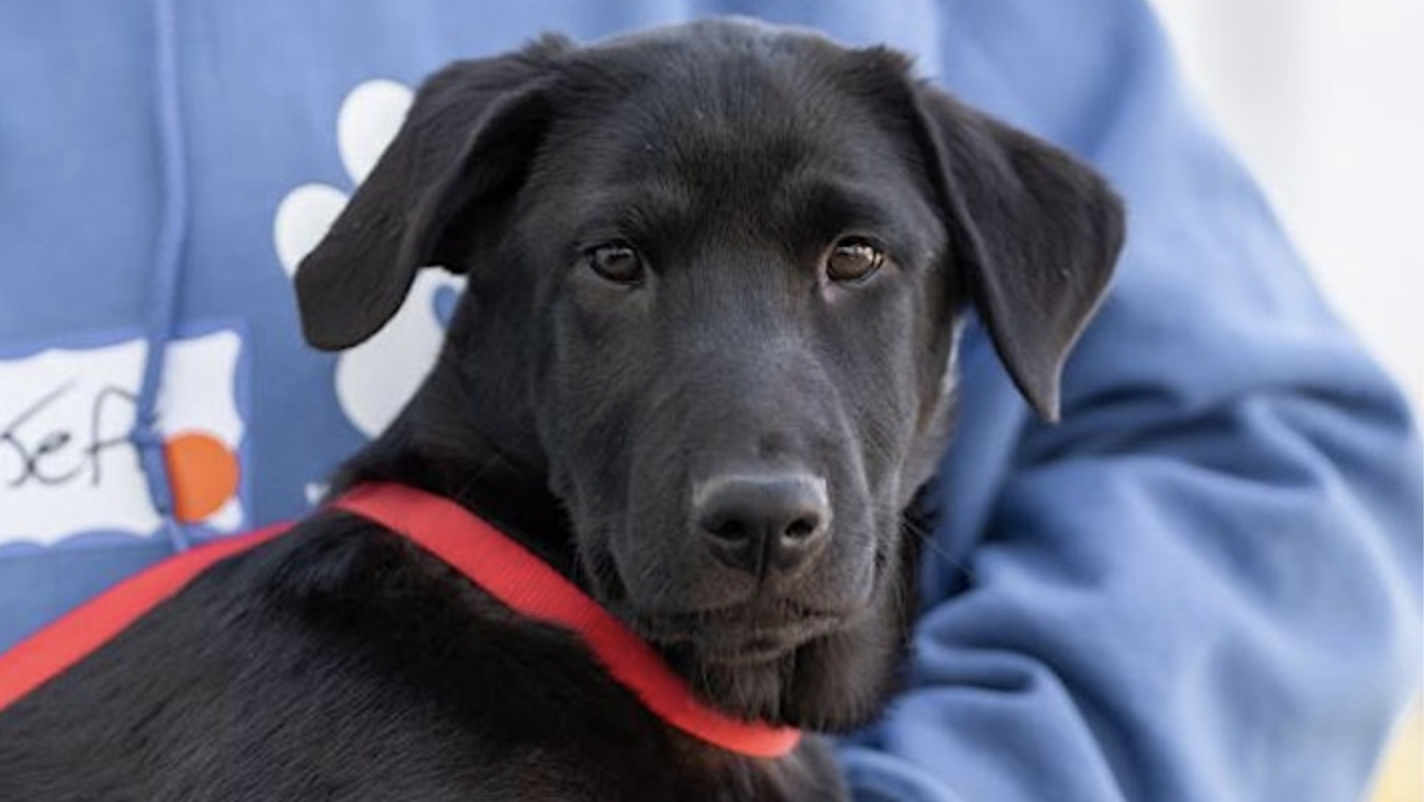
pixel 716 274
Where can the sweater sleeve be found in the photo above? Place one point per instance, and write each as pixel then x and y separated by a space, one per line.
pixel 1205 583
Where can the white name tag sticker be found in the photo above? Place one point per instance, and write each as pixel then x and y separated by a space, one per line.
pixel 67 465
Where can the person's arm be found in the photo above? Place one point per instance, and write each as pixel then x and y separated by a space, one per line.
pixel 1204 584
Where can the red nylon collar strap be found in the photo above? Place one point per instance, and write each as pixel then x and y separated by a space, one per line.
pixel 525 583
pixel 79 633
pixel 502 567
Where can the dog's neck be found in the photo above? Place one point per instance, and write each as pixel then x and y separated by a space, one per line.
pixel 429 448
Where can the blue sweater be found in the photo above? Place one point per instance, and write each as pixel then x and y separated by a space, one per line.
pixel 1205 584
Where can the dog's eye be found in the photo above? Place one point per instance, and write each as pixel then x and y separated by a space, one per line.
pixel 616 262
pixel 853 260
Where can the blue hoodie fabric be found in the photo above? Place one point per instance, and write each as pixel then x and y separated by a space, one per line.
pixel 1205 584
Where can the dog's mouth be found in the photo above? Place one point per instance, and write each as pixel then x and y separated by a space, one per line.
pixel 786 655
pixel 744 635
pixel 757 631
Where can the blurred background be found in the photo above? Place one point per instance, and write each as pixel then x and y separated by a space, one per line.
pixel 1323 100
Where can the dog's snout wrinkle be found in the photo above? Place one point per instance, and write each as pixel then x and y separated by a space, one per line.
pixel 763 523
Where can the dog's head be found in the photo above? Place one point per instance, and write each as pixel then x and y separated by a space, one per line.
pixel 715 279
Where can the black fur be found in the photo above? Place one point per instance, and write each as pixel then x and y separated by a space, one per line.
pixel 582 415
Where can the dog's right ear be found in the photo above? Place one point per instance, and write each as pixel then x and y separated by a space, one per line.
pixel 466 143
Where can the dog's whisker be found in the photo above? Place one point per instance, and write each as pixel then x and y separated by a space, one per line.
pixel 927 537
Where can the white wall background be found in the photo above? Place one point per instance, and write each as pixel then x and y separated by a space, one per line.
pixel 1323 100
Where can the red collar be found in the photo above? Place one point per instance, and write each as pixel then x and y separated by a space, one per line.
pixel 499 565
pixel 524 582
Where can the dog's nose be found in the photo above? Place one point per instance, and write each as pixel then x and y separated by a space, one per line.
pixel 765 523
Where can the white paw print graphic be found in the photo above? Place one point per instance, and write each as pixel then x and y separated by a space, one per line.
pixel 376 378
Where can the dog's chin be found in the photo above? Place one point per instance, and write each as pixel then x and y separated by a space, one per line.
pixel 826 673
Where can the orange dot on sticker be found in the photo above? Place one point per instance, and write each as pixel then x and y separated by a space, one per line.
pixel 204 473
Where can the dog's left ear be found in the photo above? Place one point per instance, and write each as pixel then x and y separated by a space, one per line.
pixel 1035 232
pixel 463 149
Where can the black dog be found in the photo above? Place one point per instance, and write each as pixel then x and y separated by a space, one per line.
pixel 702 367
